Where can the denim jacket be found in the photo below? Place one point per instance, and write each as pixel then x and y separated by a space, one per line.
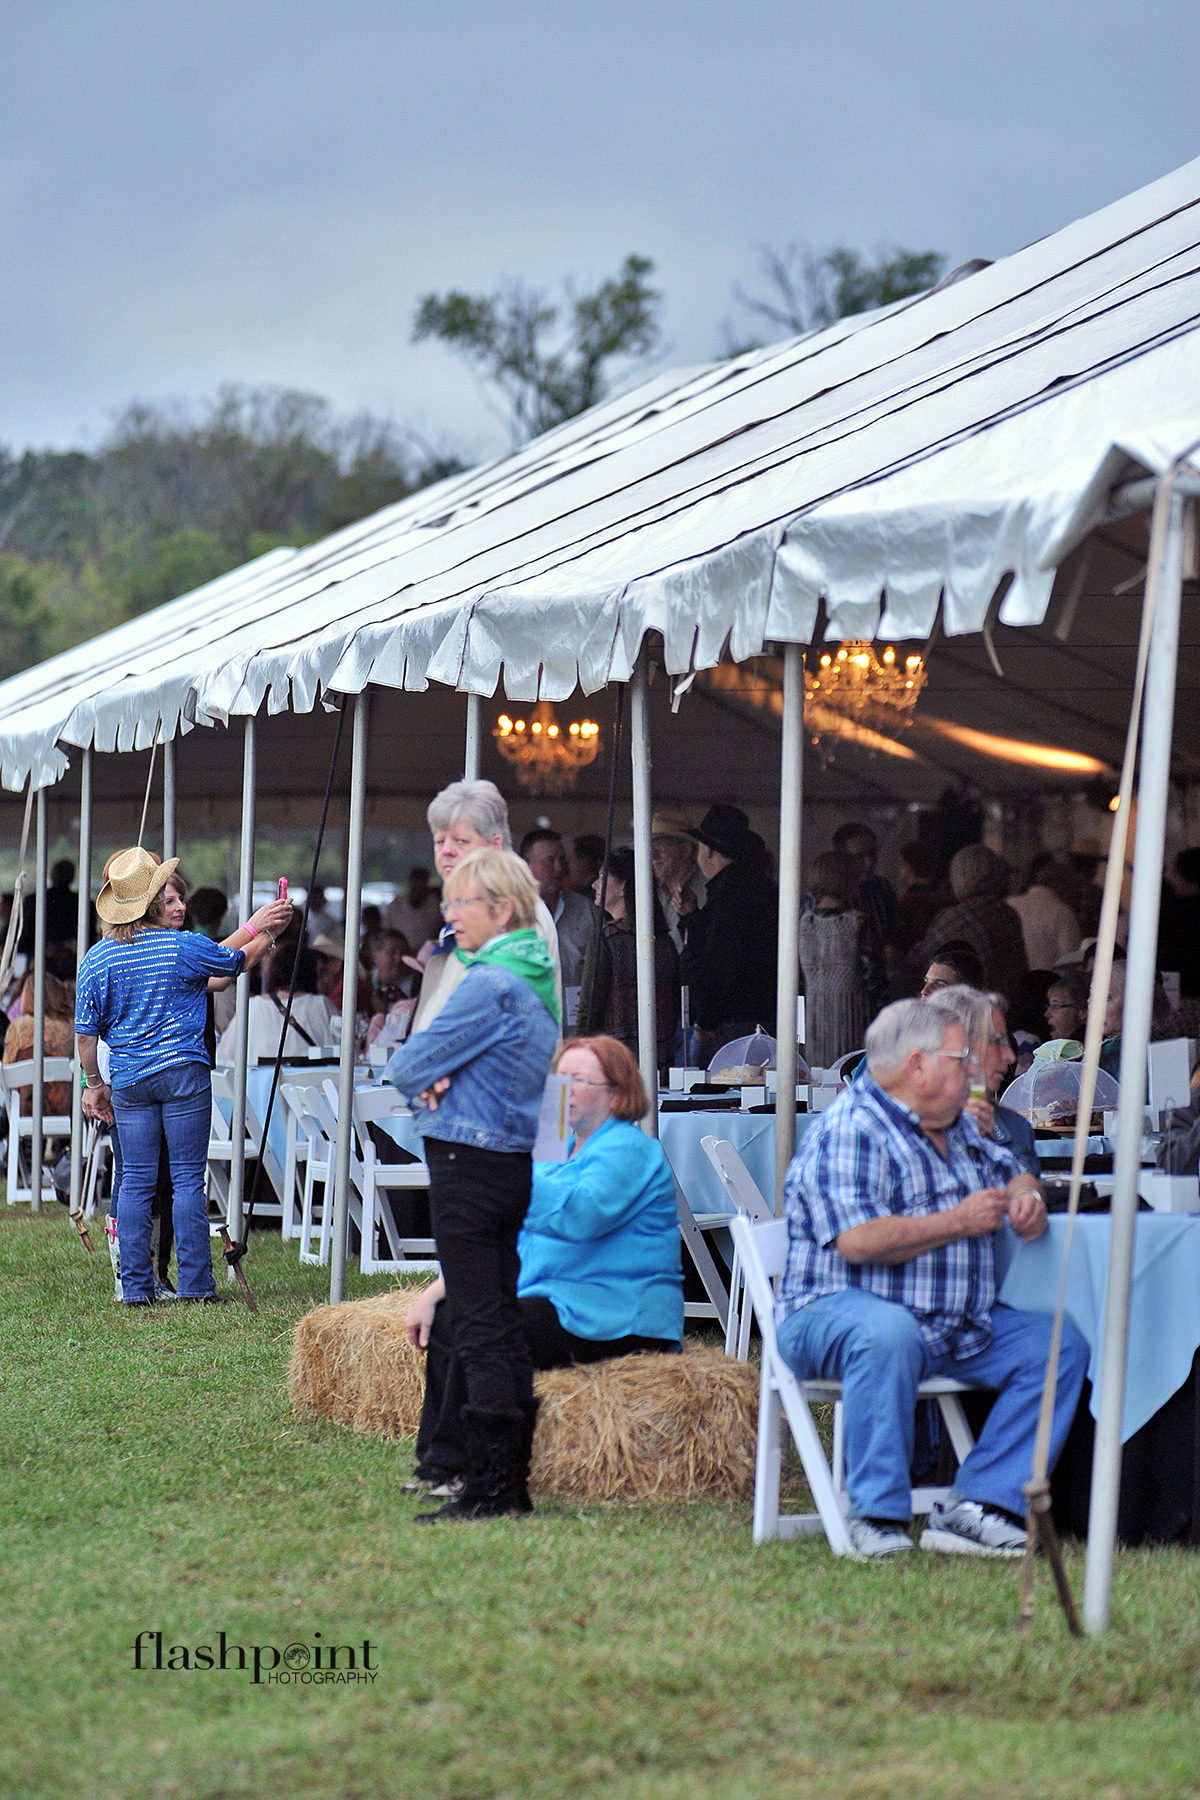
pixel 495 1039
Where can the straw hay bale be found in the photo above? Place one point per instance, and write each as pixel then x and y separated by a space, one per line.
pixel 354 1364
pixel 646 1428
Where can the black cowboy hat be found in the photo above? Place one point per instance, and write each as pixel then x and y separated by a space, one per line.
pixel 725 829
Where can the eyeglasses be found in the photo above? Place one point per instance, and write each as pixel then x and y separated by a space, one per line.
pixel 580 1081
pixel 452 906
pixel 955 1055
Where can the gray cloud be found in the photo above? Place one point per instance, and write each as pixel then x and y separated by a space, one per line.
pixel 195 194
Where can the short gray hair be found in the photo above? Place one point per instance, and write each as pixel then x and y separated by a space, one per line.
pixel 973 1011
pixel 480 803
pixel 904 1026
pixel 977 872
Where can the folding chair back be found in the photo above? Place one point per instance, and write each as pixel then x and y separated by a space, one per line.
pixel 762 1249
pixel 376 1179
pixel 18 1077
pixel 746 1197
pixel 320 1128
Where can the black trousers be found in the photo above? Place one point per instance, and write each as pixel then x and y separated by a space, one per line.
pixel 441 1449
pixel 478 1200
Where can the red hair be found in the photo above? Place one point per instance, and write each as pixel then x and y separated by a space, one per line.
pixel 620 1071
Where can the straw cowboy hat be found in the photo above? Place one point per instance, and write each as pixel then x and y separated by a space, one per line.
pixel 669 825
pixel 133 877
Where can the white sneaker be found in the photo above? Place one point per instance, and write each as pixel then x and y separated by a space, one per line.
pixel 871 1543
pixel 967 1528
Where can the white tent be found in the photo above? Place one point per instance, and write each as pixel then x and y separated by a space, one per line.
pixel 941 458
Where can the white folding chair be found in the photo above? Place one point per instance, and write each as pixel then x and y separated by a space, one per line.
pixel 746 1197
pixel 762 1248
pixel 374 1178
pixel 320 1129
pixel 18 1076
pixel 295 1155
pixel 220 1153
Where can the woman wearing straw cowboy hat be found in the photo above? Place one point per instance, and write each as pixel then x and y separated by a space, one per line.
pixel 142 989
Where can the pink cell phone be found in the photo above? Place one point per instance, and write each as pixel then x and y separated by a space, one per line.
pixel 281 888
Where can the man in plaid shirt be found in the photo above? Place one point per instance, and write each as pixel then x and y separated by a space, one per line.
pixel 892 1202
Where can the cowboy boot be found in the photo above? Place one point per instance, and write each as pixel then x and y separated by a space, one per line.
pixel 497 1460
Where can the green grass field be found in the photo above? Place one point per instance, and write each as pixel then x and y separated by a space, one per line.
pixel 155 1479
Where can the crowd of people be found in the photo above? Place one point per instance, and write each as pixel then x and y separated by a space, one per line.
pixel 525 962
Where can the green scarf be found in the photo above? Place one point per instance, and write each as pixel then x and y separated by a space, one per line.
pixel 522 953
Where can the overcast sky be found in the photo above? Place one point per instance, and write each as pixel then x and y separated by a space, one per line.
pixel 198 193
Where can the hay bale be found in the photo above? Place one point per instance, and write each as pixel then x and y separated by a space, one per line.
pixel 354 1364
pixel 645 1428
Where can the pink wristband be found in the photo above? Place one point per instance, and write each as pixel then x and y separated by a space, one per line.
pixel 252 929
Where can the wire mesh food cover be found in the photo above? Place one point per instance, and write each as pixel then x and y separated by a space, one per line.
pixel 1048 1092
pixel 741 1062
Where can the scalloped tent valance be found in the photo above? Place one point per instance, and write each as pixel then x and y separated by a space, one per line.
pixel 908 458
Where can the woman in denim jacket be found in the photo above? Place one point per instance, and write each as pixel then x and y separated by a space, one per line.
pixel 475 1076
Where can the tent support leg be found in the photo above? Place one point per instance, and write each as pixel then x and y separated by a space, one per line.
pixel 471 750
pixel 241 1037
pixel 83 930
pixel 39 1010
pixel 1158 719
pixel 354 869
pixel 791 807
pixel 643 889
pixel 168 799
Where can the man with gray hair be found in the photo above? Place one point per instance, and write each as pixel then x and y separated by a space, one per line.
pixel 467 816
pixel 892 1202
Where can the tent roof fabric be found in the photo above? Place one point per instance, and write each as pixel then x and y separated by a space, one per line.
pixel 907 458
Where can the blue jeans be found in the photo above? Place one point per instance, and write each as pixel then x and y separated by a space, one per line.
pixel 875 1349
pixel 176 1103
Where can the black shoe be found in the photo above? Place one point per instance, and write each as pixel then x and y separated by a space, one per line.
pixel 510 1502
pixel 150 1302
pixel 202 1299
pixel 498 1462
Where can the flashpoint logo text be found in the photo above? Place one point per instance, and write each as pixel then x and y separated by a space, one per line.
pixel 301 1665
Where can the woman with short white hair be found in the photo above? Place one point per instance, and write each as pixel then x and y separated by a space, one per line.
pixel 465 817
pixel 475 1077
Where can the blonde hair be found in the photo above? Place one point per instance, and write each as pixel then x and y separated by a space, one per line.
pixel 153 919
pixel 502 878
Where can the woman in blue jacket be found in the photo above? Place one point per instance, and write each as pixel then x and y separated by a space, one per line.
pixel 600 1262
pixel 475 1077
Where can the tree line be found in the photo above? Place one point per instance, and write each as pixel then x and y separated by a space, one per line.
pixel 175 497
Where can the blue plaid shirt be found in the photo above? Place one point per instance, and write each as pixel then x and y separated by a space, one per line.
pixel 867 1158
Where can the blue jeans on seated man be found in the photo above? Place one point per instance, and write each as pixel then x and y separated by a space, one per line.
pixel 175 1103
pixel 875 1349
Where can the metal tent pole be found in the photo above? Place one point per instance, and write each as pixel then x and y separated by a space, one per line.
pixel 1157 725
pixel 471 753
pixel 354 872
pixel 791 805
pixel 643 890
pixel 83 930
pixel 241 1038
pixel 39 1009
pixel 168 799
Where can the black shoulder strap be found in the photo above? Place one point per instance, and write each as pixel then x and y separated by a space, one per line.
pixel 294 1023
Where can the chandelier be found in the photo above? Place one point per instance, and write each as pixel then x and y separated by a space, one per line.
pixel 546 759
pixel 865 688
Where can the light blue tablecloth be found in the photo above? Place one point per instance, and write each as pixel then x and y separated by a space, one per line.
pixel 1164 1314
pixel 258 1092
